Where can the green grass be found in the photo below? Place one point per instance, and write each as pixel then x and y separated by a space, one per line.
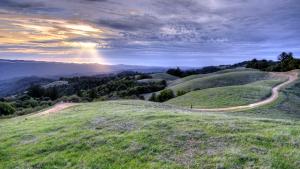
pixel 164 76
pixel 221 97
pixel 137 134
pixel 192 77
pixel 220 80
pixel 286 107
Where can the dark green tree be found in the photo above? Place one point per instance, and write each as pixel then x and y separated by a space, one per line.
pixel 180 93
pixel 153 97
pixel 36 91
pixel 93 93
pixel 6 109
pixel 165 95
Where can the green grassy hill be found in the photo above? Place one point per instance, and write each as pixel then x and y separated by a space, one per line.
pixel 185 79
pixel 286 107
pixel 221 97
pixel 164 76
pixel 137 134
pixel 220 80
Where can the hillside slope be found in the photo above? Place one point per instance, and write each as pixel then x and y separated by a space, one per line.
pixel 137 134
pixel 286 107
pixel 220 80
pixel 19 85
pixel 229 96
pixel 164 76
pixel 185 79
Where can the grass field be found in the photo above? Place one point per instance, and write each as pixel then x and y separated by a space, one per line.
pixel 229 96
pixel 286 107
pixel 137 134
pixel 192 77
pixel 220 80
pixel 164 76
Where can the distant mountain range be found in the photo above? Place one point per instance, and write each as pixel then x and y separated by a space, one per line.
pixel 10 69
pixel 19 85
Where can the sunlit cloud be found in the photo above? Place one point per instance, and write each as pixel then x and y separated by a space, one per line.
pixel 41 35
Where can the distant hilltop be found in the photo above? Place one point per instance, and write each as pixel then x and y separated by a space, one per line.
pixel 20 68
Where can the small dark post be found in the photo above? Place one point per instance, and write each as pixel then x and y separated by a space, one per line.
pixel 191 106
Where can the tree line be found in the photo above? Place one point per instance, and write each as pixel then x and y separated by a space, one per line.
pixel 81 89
pixel 286 62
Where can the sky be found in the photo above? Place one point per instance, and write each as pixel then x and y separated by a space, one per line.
pixel 148 32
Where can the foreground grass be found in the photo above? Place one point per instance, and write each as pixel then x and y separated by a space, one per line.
pixel 136 134
pixel 221 97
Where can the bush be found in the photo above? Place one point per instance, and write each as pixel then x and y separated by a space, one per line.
pixel 180 93
pixel 153 97
pixel 165 95
pixel 73 99
pixel 6 109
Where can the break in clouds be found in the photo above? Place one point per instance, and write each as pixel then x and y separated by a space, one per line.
pixel 148 32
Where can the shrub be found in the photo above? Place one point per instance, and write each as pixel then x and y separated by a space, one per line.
pixel 165 95
pixel 6 109
pixel 153 97
pixel 180 93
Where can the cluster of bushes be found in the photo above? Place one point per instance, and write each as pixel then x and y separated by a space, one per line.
pixel 165 95
pixel 125 88
pixel 286 62
pixel 183 73
pixel 37 91
pixel 81 89
pixel 6 109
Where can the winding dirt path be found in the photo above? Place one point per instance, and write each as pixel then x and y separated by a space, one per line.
pixel 292 76
pixel 56 108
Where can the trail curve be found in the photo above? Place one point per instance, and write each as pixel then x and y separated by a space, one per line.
pixel 292 76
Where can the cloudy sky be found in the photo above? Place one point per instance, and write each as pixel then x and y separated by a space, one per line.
pixel 148 32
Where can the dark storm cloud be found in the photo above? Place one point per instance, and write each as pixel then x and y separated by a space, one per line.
pixel 132 23
pixel 19 5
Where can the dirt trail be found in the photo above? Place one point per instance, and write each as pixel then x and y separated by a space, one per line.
pixel 56 108
pixel 292 76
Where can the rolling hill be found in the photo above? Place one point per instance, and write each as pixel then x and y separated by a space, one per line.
pixel 138 134
pixel 19 85
pixel 286 107
pixel 220 80
pixel 18 68
pixel 221 97
pixel 185 79
pixel 164 76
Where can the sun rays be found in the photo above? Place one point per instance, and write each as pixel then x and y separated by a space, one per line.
pixel 81 41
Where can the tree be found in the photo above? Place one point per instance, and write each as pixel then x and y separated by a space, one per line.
pixel 79 93
pixel 285 56
pixel 165 95
pixel 6 109
pixel 287 61
pixel 153 97
pixel 52 93
pixel 175 72
pixel 93 93
pixel 36 91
